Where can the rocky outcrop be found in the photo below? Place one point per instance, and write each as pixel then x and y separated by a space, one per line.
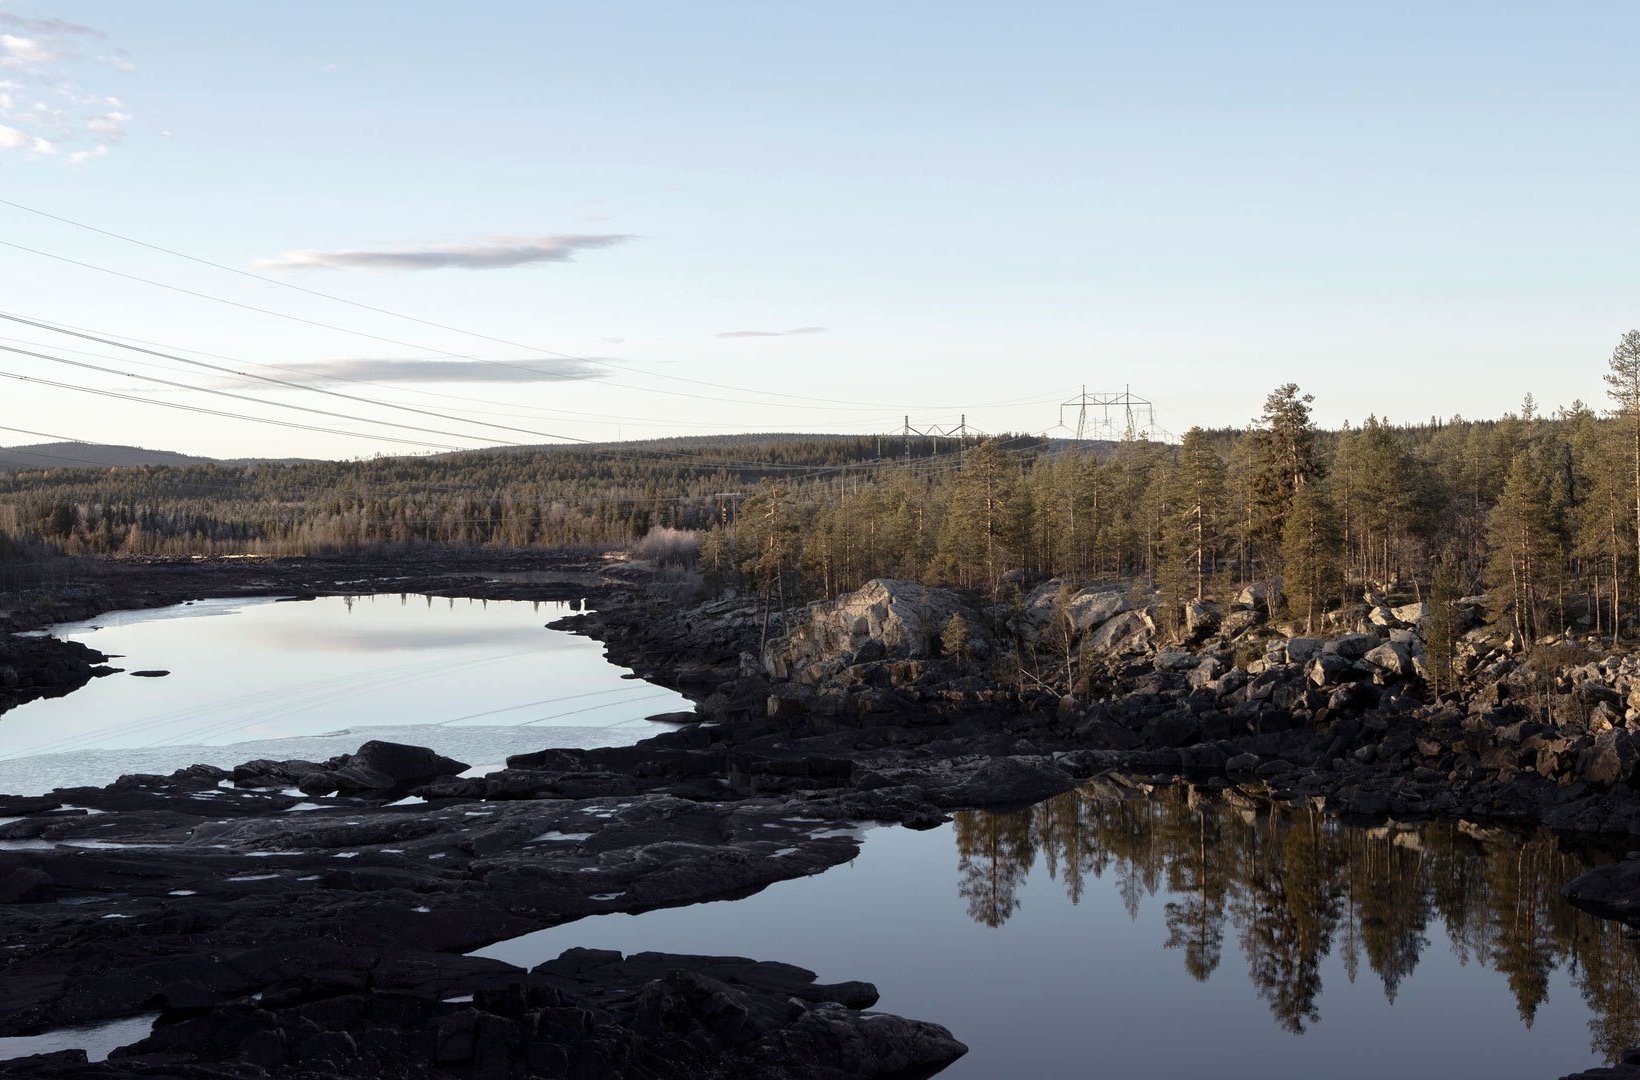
pixel 1083 609
pixel 883 619
pixel 375 766
pixel 37 667
pixel 265 936
pixel 587 1013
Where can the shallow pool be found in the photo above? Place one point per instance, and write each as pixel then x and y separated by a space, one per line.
pixel 477 680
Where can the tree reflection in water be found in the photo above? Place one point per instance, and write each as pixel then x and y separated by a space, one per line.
pixel 1295 884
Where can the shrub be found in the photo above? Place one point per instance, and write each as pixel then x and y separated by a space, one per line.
pixel 667 546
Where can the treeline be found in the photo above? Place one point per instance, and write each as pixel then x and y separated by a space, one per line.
pixel 1538 509
pixel 543 497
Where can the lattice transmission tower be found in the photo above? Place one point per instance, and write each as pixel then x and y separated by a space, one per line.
pixel 960 431
pixel 1119 416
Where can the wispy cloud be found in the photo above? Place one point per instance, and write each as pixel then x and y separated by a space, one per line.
pixel 394 370
pixel 798 331
pixel 48 27
pixel 45 110
pixel 494 254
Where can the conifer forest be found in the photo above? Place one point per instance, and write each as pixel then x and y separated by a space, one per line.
pixel 1539 509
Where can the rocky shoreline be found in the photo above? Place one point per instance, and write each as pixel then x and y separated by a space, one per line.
pixel 271 937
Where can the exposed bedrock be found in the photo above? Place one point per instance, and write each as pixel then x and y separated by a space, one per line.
pixel 37 667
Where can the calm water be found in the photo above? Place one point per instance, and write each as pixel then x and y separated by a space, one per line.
pixel 1178 935
pixel 1094 934
pixel 473 679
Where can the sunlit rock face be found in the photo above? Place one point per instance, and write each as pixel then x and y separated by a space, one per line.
pixel 884 618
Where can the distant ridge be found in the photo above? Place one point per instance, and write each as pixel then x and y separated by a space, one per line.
pixel 72 455
pixel 675 442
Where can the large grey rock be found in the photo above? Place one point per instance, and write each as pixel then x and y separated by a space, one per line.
pixel 1327 669
pixel 1611 760
pixel 1090 607
pixel 1176 660
pixel 1127 633
pixel 1085 608
pixel 1204 673
pixel 1202 617
pixel 1300 649
pixel 904 618
pixel 1040 601
pixel 1392 658
pixel 1353 646
pixel 1411 614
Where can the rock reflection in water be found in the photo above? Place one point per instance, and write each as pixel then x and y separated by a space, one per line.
pixel 1293 885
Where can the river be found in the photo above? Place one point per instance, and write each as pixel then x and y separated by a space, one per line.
pixel 1107 931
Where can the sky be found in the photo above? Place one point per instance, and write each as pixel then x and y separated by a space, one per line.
pixel 533 222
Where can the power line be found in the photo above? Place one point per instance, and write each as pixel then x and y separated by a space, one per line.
pixel 659 455
pixel 851 404
pixel 285 383
pixel 214 412
pixel 230 394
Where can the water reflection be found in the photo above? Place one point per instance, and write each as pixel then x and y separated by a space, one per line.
pixel 473 680
pixel 1293 885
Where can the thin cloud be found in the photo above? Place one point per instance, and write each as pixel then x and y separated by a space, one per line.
pixel 392 370
pixel 48 27
pixel 497 254
pixel 46 110
pixel 798 331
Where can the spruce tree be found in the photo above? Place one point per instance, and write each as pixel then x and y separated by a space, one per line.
pixel 1441 631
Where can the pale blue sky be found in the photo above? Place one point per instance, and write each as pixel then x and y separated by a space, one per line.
pixel 1405 208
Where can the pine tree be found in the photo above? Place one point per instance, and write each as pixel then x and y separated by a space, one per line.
pixel 1603 521
pixel 1520 546
pixel 1201 506
pixel 1285 460
pixel 1383 495
pixel 1623 378
pixel 1441 631
pixel 955 640
pixel 981 526
pixel 1309 549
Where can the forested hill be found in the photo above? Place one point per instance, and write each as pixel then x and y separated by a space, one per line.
pixel 515 497
pixel 58 455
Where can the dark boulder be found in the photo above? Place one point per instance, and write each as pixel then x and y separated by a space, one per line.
pixel 1611 891
pixel 380 766
pixel 1611 760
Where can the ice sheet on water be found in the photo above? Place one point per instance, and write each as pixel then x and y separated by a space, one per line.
pixel 42 773
pixel 196 610
pixel 96 1040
